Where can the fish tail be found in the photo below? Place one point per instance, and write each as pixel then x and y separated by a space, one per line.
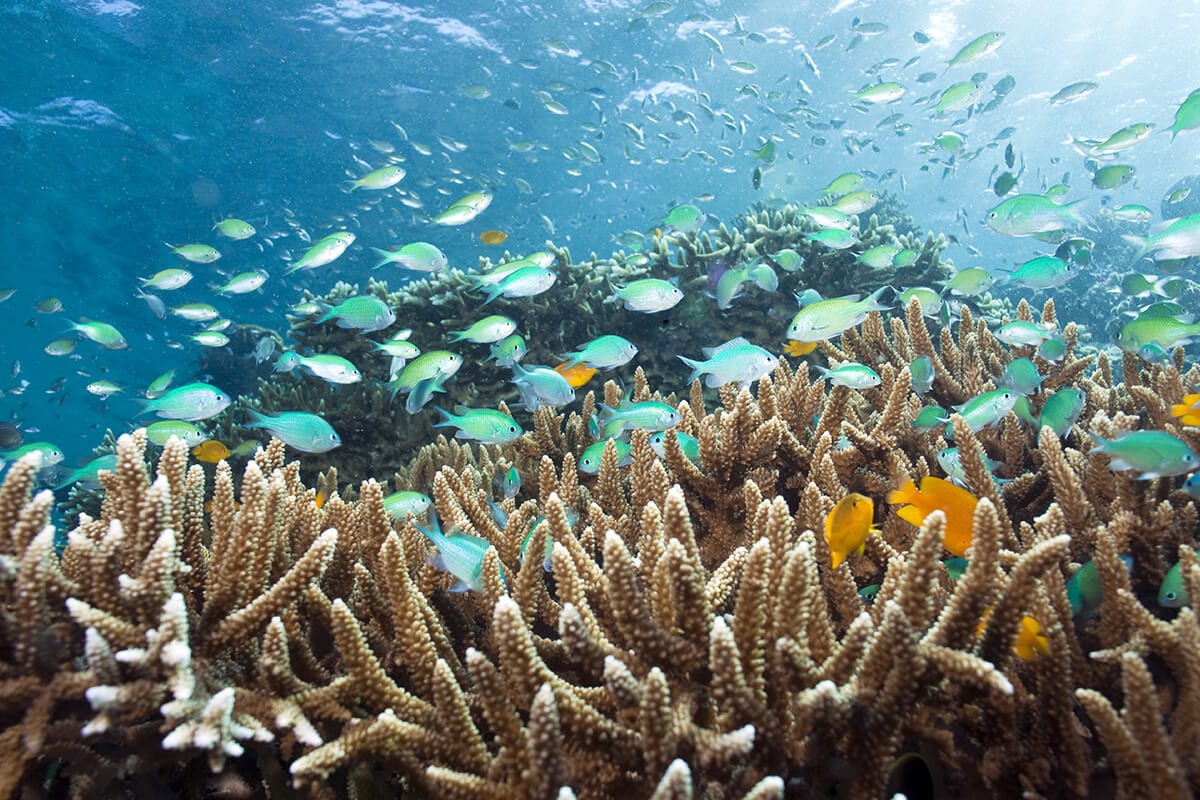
pixel 386 255
pixel 1074 212
pixel 1143 244
pixel 256 419
pixel 697 368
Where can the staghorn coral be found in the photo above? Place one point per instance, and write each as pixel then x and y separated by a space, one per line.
pixel 689 640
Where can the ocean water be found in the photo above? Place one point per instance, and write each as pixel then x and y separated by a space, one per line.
pixel 125 125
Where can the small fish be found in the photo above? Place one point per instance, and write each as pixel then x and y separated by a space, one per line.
pixel 211 451
pixel 930 418
pixel 415 256
pixel 1031 214
pixel 576 374
pixel 798 349
pixel 1061 410
pixel 50 453
pixel 734 361
pixel 493 237
pixel 589 459
pixel 648 295
pixel 234 228
pixel 159 432
pixel 299 430
pixel 647 415
pixel 486 331
pixel 922 373
pixel 327 367
pixel 1172 592
pixel 853 376
pixel 243 283
pixel 210 339
pixel 541 386
pixel 508 351
pixel 365 313
pixel 60 347
pixel 10 436
pixel 483 425
pixel 1152 454
pixel 104 388
pixel 604 352
pixel 196 253
pixel 382 178
pixel 460 554
pixel 464 209
pixel 190 402
pixel 688 445
pixel 684 219
pixel 101 333
pixel 1031 644
pixel 196 312
pixel 524 282
pixel 1073 92
pixel 826 319
pixel 1021 375
pixel 508 483
pixel 936 494
pixel 324 251
pixel 1187 116
pixel 848 525
pixel 400 505
pixel 167 280
pixel 976 49
pixel 89 473
pixel 1084 590
pixel 1022 333
pixel 434 364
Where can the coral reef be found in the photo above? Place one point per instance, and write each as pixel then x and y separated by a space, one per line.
pixel 379 435
pixel 689 639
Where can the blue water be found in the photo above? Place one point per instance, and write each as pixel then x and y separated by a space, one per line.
pixel 126 125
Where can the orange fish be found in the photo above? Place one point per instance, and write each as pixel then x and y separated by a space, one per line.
pixel 576 375
pixel 211 451
pixel 799 348
pixel 1031 643
pixel 848 526
pixel 319 500
pixel 493 237
pixel 1188 411
pixel 936 494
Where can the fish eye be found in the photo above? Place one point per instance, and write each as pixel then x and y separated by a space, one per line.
pixel 1169 596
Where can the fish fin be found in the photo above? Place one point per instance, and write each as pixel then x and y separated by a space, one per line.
pixel 695 365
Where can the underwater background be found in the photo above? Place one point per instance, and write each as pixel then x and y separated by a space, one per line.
pixel 128 125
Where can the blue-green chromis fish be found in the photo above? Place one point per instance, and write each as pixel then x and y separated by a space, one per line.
pixel 921 371
pixel 1084 590
pixel 481 424
pixel 589 459
pixel 486 331
pixel 402 504
pixel 648 415
pixel 735 361
pixel 603 352
pixel 323 251
pixel 89 473
pixel 853 376
pixel 1172 592
pixel 1061 410
pixel 460 554
pixel 299 430
pixel 1021 375
pixel 191 402
pixel 688 445
pixel 1152 454
pixel 366 313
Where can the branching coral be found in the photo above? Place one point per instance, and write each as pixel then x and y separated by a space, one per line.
pixel 689 638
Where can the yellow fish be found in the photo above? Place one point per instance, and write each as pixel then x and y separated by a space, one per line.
pixel 576 375
pixel 1031 643
pixel 936 494
pixel 793 348
pixel 211 451
pixel 1188 412
pixel 493 237
pixel 848 526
